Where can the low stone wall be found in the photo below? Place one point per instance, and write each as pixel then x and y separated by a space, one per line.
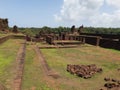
pixel 93 40
pixel 18 36
pixel 106 40
pixel 5 38
pixel 110 36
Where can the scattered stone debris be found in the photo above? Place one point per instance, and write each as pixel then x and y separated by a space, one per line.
pixel 111 84
pixel 84 71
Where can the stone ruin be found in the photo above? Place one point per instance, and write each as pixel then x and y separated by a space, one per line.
pixel 28 38
pixel 3 24
pixel 80 29
pixel 84 71
pixel 69 36
pixel 75 31
pixel 15 29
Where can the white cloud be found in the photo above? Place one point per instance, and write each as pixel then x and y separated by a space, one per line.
pixel 88 12
pixel 75 10
pixel 114 3
pixel 106 20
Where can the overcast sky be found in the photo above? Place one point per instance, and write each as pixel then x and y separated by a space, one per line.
pixel 54 13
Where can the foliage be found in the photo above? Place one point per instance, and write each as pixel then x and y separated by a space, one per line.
pixel 91 30
pixel 28 32
pixel 101 30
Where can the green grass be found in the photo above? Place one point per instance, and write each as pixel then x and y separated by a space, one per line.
pixel 114 50
pixel 8 51
pixel 3 35
pixel 107 59
pixel 34 77
pixel 33 73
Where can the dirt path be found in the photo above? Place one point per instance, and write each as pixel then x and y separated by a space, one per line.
pixel 20 67
pixel 49 76
pixel 2 87
pixel 46 69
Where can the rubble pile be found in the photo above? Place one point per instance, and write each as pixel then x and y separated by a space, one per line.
pixel 84 71
pixel 111 84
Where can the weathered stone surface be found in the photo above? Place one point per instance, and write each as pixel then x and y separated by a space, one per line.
pixel 84 71
pixel 15 29
pixel 3 24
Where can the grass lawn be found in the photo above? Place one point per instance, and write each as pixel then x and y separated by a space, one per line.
pixel 8 52
pixel 35 79
pixel 2 35
pixel 33 76
pixel 107 59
